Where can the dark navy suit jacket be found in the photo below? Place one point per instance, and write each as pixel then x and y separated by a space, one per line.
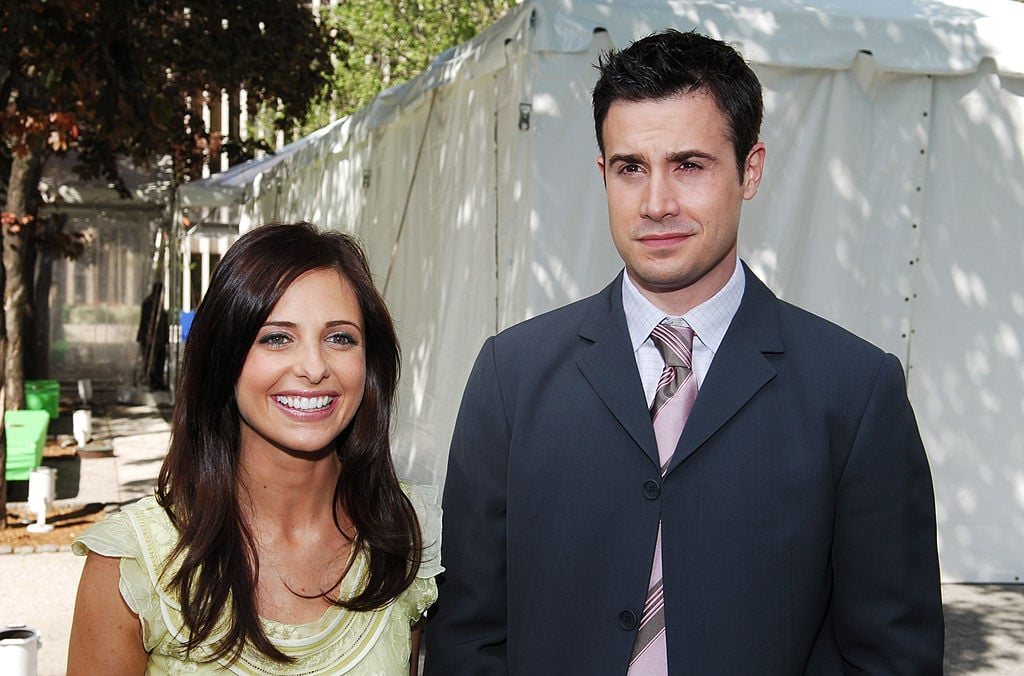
pixel 798 514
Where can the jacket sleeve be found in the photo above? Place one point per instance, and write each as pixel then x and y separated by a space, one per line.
pixel 467 629
pixel 887 603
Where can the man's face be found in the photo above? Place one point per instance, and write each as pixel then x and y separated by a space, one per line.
pixel 674 196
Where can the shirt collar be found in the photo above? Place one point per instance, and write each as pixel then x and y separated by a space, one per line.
pixel 709 320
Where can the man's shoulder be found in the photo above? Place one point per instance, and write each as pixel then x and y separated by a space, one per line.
pixel 810 334
pixel 561 321
pixel 551 321
pixel 796 325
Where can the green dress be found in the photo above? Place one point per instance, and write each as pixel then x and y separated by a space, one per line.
pixel 369 643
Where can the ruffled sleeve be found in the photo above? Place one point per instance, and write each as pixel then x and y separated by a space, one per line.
pixel 119 535
pixel 112 536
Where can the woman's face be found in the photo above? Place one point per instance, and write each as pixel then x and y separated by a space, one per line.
pixel 303 378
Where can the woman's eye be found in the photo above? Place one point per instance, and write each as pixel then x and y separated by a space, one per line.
pixel 273 339
pixel 341 338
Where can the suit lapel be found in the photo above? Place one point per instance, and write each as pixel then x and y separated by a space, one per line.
pixel 609 366
pixel 739 369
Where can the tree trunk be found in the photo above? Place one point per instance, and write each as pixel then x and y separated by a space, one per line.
pixel 21 201
pixel 39 364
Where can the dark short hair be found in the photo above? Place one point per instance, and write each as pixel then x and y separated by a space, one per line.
pixel 671 63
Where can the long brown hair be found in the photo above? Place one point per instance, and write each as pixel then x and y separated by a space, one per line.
pixel 198 482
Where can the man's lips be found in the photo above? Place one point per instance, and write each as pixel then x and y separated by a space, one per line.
pixel 664 239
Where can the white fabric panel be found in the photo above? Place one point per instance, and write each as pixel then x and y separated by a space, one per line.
pixel 442 285
pixel 833 226
pixel 564 251
pixel 967 352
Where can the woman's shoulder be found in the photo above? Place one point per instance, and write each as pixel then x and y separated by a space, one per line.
pixel 142 536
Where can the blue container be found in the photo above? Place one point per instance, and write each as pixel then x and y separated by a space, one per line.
pixel 185 319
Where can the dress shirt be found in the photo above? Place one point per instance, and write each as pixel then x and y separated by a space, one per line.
pixel 709 321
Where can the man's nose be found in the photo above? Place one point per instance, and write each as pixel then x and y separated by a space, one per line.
pixel 660 198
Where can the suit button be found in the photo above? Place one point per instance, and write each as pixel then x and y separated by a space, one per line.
pixel 652 489
pixel 627 620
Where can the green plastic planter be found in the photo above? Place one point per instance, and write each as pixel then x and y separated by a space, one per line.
pixel 26 437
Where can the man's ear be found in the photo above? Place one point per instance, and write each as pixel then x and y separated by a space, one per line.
pixel 600 166
pixel 753 169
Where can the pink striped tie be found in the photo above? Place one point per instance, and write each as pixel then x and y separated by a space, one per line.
pixel 673 400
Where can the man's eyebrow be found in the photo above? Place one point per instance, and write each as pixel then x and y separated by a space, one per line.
pixel 625 158
pixel 674 156
pixel 687 155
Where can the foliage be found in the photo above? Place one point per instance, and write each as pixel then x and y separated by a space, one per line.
pixel 379 43
pixel 107 78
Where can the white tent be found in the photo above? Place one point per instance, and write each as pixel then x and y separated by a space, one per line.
pixel 892 204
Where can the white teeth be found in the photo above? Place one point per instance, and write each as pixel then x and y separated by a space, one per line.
pixel 305 403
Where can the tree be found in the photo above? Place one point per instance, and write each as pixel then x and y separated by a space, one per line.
pixel 379 43
pixel 106 79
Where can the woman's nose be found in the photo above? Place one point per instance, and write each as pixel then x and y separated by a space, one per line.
pixel 310 364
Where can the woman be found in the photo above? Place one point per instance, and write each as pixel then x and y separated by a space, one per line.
pixel 279 539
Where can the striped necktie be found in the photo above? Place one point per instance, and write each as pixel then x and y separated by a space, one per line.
pixel 677 390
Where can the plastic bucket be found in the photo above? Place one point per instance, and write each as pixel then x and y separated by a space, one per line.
pixel 19 646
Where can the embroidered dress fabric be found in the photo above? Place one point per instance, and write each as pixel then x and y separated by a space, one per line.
pixel 373 643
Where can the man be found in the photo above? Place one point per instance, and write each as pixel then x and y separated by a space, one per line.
pixel 788 529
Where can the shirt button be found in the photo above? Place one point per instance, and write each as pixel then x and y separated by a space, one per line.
pixel 627 620
pixel 652 489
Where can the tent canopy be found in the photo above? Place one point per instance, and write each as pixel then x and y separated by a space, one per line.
pixel 232 187
pixel 922 36
pixel 891 204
